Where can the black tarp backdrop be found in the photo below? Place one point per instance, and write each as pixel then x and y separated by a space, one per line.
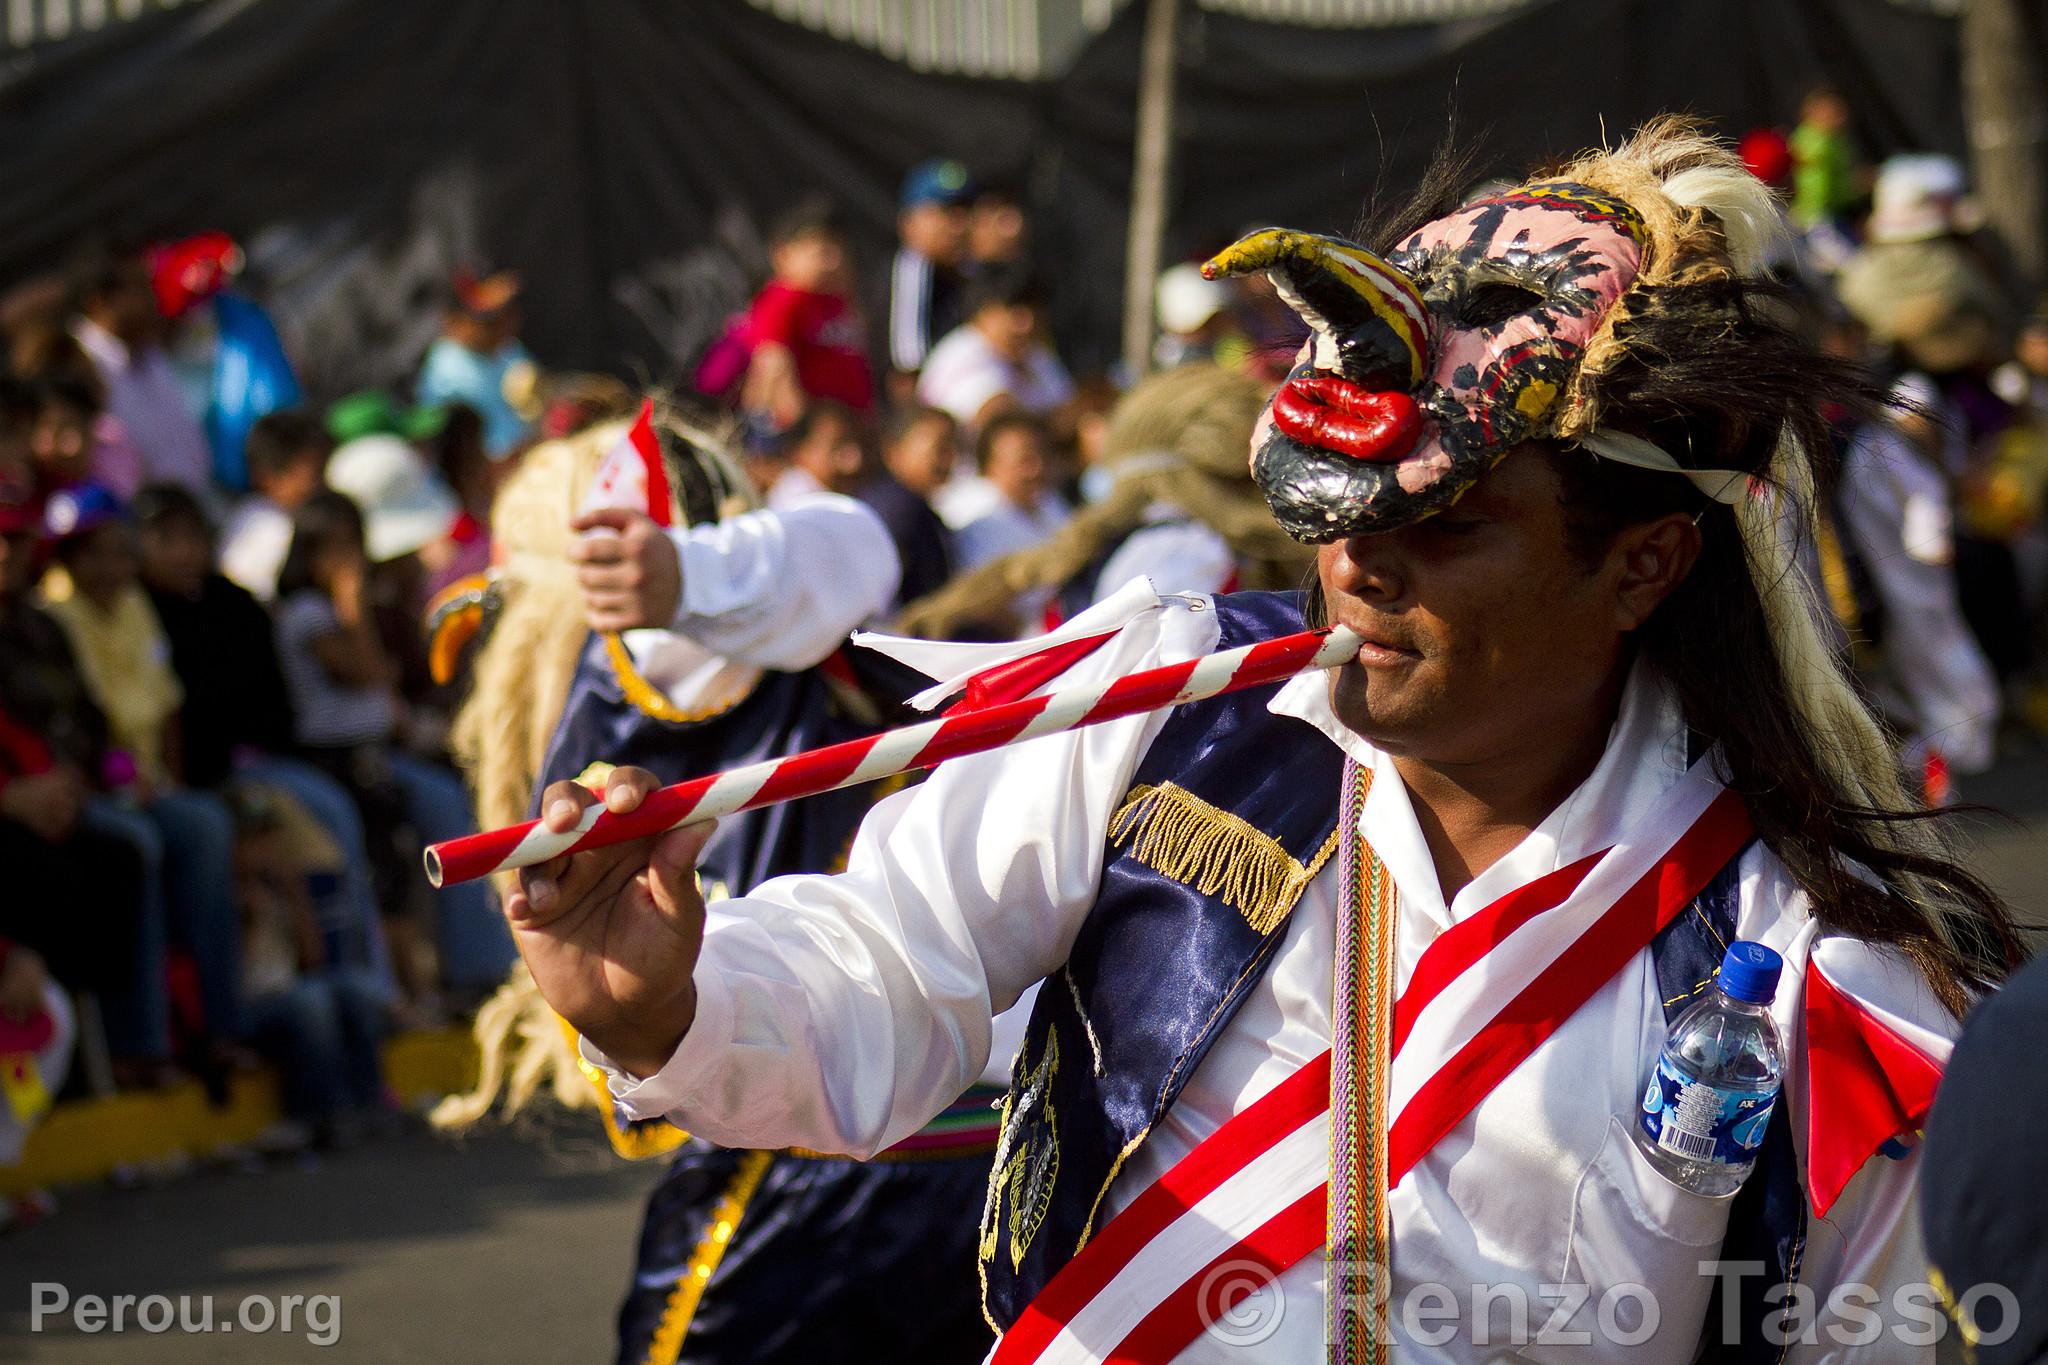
pixel 623 154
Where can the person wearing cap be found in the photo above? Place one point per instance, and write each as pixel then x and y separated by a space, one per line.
pixel 479 360
pixel 1193 317
pixel 185 836
pixel 407 516
pixel 925 278
pixel 1352 982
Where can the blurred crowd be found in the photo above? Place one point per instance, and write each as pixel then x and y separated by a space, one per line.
pixel 223 742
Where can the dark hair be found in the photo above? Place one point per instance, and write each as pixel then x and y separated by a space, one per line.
pixel 994 428
pixel 1005 286
pixel 816 412
pixel 18 404
pixel 70 391
pixel 99 269
pixel 1721 396
pixel 277 440
pixel 325 518
pixel 159 504
pixel 813 217
pixel 1709 371
pixel 909 419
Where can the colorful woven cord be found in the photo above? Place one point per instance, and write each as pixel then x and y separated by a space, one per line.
pixel 1360 1247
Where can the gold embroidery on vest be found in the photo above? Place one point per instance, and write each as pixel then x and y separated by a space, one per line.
pixel 1179 835
pixel 1027 1173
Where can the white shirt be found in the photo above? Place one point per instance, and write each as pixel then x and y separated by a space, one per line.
pixel 1178 553
pixel 1895 506
pixel 253 545
pixel 963 372
pixel 838 1013
pixel 1007 528
pixel 783 588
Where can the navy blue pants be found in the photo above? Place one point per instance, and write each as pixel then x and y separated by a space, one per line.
pixel 832 1263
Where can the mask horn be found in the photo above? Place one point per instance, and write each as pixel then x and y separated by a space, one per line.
pixel 1369 321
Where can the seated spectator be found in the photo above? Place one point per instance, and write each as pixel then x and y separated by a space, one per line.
pixel 36 1033
pixel 998 234
pixel 1017 491
pixel 479 360
pixel 237 720
pixel 925 278
pixel 458 457
pixel 286 456
pixel 51 354
pixel 344 688
pixel 120 327
pixel 322 1022
pixel 61 441
pixel 185 836
pixel 808 340
pixel 917 459
pixel 822 453
pixel 56 848
pixel 997 362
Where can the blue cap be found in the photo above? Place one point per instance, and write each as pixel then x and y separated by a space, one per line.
pixel 1750 972
pixel 80 509
pixel 941 182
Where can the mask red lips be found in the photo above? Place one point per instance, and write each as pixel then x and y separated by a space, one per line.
pixel 1331 413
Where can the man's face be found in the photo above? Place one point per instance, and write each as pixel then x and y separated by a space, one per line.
pixel 176 554
pixel 922 458
pixel 60 440
pixel 103 563
pixel 831 453
pixel 128 308
pixel 1485 630
pixel 1010 328
pixel 937 232
pixel 1017 465
pixel 815 261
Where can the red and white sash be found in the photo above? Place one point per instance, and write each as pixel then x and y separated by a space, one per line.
pixel 1484 996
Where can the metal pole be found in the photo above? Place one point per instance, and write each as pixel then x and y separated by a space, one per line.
pixel 2005 99
pixel 1152 164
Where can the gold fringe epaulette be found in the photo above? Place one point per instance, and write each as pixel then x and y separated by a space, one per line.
pixel 1179 835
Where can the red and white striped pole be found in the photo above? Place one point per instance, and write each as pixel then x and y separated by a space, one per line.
pixel 893 751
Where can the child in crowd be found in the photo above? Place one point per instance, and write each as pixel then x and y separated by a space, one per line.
pixel 479 360
pixel 344 696
pixel 61 440
pixel 323 1023
pixel 807 336
pixel 286 455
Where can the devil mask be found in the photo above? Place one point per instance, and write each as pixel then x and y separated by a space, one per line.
pixel 1426 367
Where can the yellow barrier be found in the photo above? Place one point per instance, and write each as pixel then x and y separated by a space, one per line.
pixel 84 1140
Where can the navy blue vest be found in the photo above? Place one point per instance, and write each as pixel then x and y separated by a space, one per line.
pixel 784 713
pixel 1159 968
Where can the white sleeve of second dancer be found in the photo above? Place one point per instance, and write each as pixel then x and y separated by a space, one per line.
pixel 841 1013
pixel 784 588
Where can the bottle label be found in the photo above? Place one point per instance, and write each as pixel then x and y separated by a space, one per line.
pixel 1701 1122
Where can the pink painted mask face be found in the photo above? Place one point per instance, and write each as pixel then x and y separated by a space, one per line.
pixel 1513 287
pixel 1516 285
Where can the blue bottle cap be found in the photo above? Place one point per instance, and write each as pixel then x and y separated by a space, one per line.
pixel 1750 972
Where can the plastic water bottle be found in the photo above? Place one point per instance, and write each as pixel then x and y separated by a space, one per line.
pixel 1709 1097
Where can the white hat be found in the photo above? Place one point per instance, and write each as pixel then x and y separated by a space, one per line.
pixel 1916 198
pixel 1186 300
pixel 405 504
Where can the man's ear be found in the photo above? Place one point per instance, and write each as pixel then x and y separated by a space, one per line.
pixel 1650 560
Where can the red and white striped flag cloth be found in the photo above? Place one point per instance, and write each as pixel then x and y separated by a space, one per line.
pixel 631 474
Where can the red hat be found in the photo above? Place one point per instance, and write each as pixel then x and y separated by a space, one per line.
pixel 1768 156
pixel 480 297
pixel 191 271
